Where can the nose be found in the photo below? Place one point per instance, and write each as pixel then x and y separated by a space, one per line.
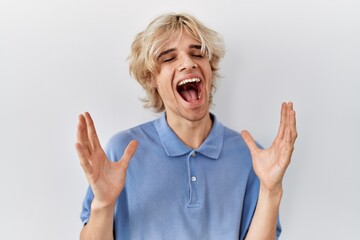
pixel 186 63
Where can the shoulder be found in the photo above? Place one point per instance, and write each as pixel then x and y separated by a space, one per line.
pixel 231 135
pixel 132 133
pixel 118 142
pixel 235 146
pixel 234 137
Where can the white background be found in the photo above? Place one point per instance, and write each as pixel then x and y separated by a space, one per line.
pixel 61 58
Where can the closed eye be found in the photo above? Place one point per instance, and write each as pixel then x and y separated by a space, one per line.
pixel 168 59
pixel 198 56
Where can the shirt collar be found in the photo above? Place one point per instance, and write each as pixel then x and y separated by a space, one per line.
pixel 173 146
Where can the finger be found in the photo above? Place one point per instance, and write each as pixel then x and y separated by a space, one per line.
pixel 289 109
pixel 249 140
pixel 292 124
pixel 289 148
pixel 92 135
pixel 82 135
pixel 290 105
pixel 83 157
pixel 283 120
pixel 291 116
pixel 128 153
pixel 289 142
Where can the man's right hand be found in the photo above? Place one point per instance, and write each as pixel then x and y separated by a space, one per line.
pixel 106 178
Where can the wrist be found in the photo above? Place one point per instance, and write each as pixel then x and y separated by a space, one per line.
pixel 100 224
pixel 97 205
pixel 274 192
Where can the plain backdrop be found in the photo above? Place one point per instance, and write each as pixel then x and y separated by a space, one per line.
pixel 60 58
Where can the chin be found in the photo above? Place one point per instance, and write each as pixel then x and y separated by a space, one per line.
pixel 197 115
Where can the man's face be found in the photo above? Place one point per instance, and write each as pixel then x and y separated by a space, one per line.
pixel 184 79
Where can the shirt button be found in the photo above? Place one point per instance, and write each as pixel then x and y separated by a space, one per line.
pixel 193 154
pixel 193 178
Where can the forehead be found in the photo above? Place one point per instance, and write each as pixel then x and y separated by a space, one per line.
pixel 177 40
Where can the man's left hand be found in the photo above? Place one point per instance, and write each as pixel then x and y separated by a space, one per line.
pixel 270 164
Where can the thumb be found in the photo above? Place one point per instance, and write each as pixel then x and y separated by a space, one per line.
pixel 249 141
pixel 128 153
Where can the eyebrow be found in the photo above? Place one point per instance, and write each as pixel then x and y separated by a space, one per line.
pixel 196 46
pixel 165 52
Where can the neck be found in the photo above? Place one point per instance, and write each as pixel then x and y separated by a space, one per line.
pixel 192 133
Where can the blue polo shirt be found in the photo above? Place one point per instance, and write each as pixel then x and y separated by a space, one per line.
pixel 175 192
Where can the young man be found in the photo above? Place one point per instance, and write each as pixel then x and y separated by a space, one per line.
pixel 190 177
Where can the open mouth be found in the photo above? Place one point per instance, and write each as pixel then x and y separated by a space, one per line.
pixel 189 89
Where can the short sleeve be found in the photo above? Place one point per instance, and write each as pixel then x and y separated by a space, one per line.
pixel 250 201
pixel 86 206
pixel 278 229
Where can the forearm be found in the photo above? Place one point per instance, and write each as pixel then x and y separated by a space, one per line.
pixel 263 225
pixel 100 225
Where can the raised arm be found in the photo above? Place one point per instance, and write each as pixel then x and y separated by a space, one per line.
pixel 270 166
pixel 106 178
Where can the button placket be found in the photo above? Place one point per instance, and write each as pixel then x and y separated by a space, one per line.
pixel 193 177
pixel 193 194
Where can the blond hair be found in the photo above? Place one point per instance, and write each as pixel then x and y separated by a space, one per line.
pixel 148 43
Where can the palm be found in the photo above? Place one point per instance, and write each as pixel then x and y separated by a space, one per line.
pixel 106 178
pixel 270 164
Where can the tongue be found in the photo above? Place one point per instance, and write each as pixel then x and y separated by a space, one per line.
pixel 189 95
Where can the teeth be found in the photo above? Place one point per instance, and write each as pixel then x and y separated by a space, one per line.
pixel 188 81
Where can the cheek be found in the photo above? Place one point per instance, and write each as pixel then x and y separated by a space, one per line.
pixel 164 79
pixel 163 89
pixel 210 77
pixel 207 71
